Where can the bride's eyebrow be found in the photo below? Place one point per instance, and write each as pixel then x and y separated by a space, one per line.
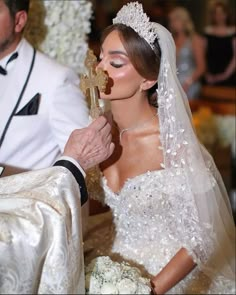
pixel 112 52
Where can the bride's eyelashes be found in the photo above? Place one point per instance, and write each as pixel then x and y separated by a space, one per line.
pixel 116 65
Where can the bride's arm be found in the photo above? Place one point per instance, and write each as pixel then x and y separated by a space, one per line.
pixel 177 268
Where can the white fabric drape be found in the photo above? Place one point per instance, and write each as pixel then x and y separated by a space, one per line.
pixel 208 232
pixel 40 233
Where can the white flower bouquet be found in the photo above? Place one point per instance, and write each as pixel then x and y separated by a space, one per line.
pixel 104 276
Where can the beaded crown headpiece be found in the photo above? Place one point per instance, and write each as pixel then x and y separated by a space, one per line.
pixel 132 15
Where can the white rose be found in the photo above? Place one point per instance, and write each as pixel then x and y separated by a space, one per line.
pixel 94 285
pixel 143 289
pixel 126 286
pixel 109 288
pixel 131 272
pixel 144 281
pixel 104 263
pixel 112 274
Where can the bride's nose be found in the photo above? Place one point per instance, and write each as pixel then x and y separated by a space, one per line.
pixel 98 66
pixel 102 63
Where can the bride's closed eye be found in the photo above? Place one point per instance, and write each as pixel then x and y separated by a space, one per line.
pixel 116 65
pixel 114 62
pixel 117 62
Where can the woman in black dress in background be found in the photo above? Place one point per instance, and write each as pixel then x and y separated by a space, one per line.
pixel 220 45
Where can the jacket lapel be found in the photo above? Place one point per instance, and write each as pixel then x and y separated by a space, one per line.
pixel 16 82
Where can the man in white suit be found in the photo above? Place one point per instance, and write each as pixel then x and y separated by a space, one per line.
pixel 40 219
pixel 40 101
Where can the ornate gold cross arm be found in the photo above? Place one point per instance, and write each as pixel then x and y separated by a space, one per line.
pixel 91 83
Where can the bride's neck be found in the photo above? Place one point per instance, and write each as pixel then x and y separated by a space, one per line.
pixel 129 112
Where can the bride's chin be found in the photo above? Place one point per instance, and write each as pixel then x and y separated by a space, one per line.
pixel 105 96
pixel 110 97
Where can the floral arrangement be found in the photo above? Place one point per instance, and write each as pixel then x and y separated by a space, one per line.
pixel 59 29
pixel 226 129
pixel 213 129
pixel 104 276
pixel 205 126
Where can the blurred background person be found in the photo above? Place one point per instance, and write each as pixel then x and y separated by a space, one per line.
pixel 189 51
pixel 220 45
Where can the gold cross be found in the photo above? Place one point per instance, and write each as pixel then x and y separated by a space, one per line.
pixel 94 81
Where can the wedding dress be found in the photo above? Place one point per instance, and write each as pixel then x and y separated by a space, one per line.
pixel 145 229
pixel 184 205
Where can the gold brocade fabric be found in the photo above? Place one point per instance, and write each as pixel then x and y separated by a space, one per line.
pixel 40 233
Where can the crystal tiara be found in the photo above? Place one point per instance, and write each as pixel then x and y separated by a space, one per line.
pixel 132 15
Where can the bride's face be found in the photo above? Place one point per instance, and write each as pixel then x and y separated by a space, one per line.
pixel 124 81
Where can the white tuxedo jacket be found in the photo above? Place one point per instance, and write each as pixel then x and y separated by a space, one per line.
pixel 35 141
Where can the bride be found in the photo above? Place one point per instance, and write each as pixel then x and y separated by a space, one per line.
pixel 170 208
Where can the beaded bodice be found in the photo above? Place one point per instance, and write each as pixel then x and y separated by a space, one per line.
pixel 146 214
pixel 155 216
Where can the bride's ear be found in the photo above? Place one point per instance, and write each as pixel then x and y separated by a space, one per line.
pixel 147 84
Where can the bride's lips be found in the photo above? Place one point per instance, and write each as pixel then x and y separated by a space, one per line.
pixel 109 85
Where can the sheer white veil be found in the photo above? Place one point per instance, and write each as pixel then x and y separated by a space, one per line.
pixel 214 250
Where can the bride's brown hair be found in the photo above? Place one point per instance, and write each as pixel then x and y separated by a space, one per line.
pixel 145 60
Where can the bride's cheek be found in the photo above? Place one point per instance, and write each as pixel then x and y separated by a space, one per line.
pixel 120 77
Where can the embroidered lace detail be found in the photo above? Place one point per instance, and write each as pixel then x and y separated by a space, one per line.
pixel 157 210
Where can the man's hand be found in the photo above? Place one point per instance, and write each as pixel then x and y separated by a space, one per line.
pixel 91 145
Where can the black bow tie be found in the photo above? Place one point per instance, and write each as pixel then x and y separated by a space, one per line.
pixel 12 57
pixel 3 71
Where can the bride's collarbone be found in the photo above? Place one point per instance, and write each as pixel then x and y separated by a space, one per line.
pixel 132 158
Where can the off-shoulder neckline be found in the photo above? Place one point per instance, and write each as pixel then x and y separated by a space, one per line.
pixel 129 180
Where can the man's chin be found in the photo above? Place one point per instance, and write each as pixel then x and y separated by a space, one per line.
pixel 7 45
